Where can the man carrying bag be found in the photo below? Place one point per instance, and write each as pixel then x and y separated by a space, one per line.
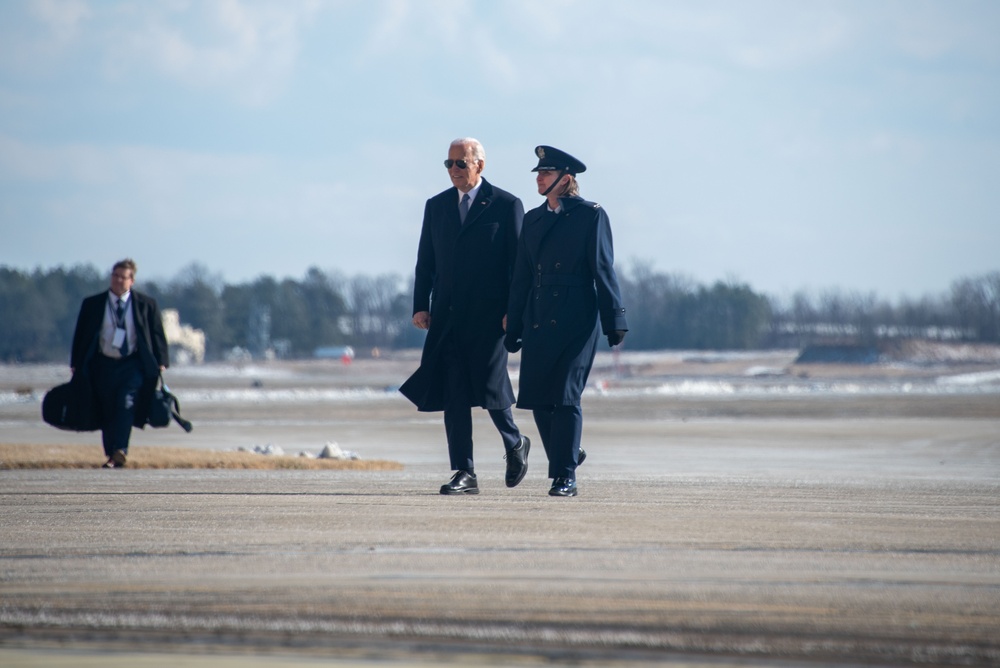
pixel 119 352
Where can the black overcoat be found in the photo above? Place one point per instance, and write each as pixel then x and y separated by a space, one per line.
pixel 564 287
pixel 463 279
pixel 150 339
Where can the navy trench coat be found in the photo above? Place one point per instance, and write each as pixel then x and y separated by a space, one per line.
pixel 151 340
pixel 563 295
pixel 463 279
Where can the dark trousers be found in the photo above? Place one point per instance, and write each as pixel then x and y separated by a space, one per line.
pixel 458 428
pixel 561 428
pixel 117 384
pixel 458 413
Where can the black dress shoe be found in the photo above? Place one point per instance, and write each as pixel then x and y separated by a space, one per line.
pixel 462 482
pixel 517 462
pixel 581 457
pixel 119 459
pixel 563 487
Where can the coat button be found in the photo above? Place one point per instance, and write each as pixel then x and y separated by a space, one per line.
pixel 539 267
pixel 552 322
pixel 535 326
pixel 558 264
pixel 555 294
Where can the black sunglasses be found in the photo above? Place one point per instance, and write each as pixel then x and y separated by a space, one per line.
pixel 462 164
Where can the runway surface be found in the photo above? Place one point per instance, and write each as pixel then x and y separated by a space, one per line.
pixel 834 532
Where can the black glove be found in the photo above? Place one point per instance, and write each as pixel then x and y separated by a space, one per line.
pixel 616 337
pixel 512 342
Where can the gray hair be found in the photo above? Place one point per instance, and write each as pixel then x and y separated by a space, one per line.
pixel 478 152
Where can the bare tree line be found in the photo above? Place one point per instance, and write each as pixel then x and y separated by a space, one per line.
pixel 295 317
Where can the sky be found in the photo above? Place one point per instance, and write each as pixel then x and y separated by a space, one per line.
pixel 793 146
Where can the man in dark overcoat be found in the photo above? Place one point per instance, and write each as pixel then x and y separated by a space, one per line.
pixel 564 293
pixel 467 247
pixel 119 343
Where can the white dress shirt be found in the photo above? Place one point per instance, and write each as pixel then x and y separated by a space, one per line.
pixel 110 324
pixel 472 195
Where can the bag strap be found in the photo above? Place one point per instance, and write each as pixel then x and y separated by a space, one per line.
pixel 175 409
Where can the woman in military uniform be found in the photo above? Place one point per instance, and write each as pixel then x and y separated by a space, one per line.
pixel 564 294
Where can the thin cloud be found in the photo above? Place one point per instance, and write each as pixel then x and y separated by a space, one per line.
pixel 436 30
pixel 64 18
pixel 249 50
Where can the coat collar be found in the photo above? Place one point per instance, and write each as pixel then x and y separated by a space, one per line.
pixel 542 220
pixel 570 203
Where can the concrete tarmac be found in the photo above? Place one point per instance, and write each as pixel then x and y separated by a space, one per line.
pixel 809 538
pixel 900 565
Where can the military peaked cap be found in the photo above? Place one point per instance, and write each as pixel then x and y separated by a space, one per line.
pixel 554 160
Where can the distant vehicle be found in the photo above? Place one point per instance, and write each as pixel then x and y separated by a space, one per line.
pixel 342 353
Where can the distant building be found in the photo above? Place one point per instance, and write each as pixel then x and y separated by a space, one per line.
pixel 187 344
pixel 259 332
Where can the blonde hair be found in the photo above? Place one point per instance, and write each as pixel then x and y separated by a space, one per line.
pixel 572 188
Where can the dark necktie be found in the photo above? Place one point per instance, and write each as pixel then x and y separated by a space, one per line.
pixel 121 323
pixel 463 208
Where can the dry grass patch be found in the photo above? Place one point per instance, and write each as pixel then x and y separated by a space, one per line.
pixel 22 456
